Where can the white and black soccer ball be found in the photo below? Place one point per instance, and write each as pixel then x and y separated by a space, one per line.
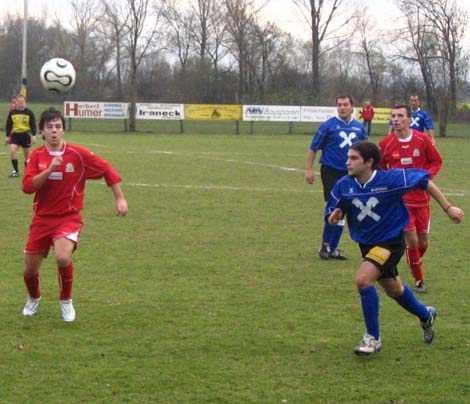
pixel 58 75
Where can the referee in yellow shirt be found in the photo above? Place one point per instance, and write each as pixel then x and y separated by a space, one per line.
pixel 20 130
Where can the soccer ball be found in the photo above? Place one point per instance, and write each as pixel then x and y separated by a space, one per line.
pixel 58 75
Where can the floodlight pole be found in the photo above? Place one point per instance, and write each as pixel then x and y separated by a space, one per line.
pixel 24 79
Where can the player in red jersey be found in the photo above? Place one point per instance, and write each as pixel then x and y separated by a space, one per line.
pixel 56 173
pixel 408 148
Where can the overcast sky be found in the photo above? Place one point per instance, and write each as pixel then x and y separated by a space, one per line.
pixel 283 12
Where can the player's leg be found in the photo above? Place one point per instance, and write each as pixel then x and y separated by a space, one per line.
pixel 413 254
pixel 31 280
pixel 404 296
pixel 366 276
pixel 63 248
pixel 331 234
pixel 14 158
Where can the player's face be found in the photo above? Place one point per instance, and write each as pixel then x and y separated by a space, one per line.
pixel 414 103
pixel 53 133
pixel 345 108
pixel 20 103
pixel 401 122
pixel 356 165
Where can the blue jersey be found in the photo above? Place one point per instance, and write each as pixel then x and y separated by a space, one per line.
pixel 375 210
pixel 421 120
pixel 334 137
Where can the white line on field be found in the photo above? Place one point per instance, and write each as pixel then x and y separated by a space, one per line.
pixel 459 193
pixel 209 157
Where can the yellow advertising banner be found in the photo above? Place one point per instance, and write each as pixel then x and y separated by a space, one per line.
pixel 213 112
pixel 381 115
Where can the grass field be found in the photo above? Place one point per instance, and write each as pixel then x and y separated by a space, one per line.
pixel 211 290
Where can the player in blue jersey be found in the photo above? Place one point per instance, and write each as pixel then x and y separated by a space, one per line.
pixel 334 138
pixel 421 120
pixel 372 201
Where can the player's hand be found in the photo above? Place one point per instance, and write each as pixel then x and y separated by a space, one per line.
pixel 335 216
pixel 455 214
pixel 121 207
pixel 33 139
pixel 309 177
pixel 56 162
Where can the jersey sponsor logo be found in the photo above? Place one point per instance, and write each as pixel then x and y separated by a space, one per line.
pixel 366 210
pixel 69 168
pixel 414 121
pixel 347 139
pixel 406 161
pixel 56 175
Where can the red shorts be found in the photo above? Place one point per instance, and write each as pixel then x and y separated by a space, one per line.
pixel 420 219
pixel 44 230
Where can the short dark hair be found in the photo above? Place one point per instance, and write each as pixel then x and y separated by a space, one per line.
pixel 368 150
pixel 404 106
pixel 51 114
pixel 349 97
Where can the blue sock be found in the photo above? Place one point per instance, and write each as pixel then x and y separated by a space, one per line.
pixel 336 235
pixel 409 302
pixel 370 310
pixel 327 231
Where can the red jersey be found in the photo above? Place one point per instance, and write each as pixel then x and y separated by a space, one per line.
pixel 416 151
pixel 368 112
pixel 63 191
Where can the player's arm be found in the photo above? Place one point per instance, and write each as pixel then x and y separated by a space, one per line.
pixel 120 201
pixel 310 176
pixel 40 179
pixel 455 214
pixel 8 127
pixel 431 134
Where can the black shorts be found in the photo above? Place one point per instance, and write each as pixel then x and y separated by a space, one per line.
pixel 329 177
pixel 21 139
pixel 385 256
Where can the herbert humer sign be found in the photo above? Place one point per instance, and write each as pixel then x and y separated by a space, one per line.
pixel 110 110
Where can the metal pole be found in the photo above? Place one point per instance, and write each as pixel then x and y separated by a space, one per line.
pixel 24 79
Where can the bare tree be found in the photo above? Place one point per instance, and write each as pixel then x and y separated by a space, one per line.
pixel 240 17
pixel 329 22
pixel 139 31
pixel 372 54
pixel 114 20
pixel 449 22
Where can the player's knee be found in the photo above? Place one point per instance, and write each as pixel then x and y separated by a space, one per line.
pixel 363 281
pixel 63 260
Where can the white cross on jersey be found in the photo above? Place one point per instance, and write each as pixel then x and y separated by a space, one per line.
pixel 414 121
pixel 347 139
pixel 366 210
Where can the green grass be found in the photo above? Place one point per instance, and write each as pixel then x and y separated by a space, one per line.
pixel 211 290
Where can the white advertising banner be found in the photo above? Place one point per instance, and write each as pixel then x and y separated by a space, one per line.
pixel 108 110
pixel 317 114
pixel 160 111
pixel 273 113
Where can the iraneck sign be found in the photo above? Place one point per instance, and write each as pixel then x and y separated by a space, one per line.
pixel 109 110
pixel 160 111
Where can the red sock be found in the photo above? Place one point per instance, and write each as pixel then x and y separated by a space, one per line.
pixel 32 284
pixel 414 260
pixel 65 282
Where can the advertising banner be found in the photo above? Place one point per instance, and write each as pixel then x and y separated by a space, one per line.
pixel 160 111
pixel 108 110
pixel 274 113
pixel 317 114
pixel 213 112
